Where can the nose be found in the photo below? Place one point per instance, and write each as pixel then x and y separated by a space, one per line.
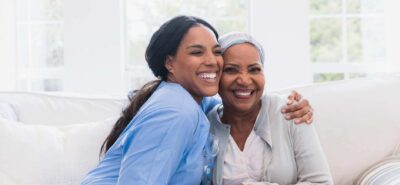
pixel 211 59
pixel 244 79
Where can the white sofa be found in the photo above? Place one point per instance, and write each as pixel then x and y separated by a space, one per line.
pixel 56 139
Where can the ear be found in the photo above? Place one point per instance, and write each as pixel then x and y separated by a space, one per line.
pixel 169 64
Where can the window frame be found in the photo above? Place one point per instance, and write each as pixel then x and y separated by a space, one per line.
pixel 344 66
pixel 27 72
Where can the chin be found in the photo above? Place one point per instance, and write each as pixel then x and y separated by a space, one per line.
pixel 242 108
pixel 210 91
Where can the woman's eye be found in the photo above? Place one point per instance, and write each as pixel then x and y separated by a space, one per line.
pixel 218 52
pixel 196 52
pixel 255 70
pixel 230 70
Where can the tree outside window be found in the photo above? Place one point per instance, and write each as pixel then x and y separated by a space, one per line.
pixel 346 38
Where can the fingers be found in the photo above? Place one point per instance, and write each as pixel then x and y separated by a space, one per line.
pixel 298 113
pixel 295 106
pixel 291 97
pixel 310 120
pixel 307 118
pixel 298 109
pixel 298 97
pixel 301 116
pixel 294 96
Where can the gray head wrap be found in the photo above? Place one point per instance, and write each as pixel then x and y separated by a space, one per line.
pixel 233 38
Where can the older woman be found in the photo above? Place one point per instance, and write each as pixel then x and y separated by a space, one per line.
pixel 257 145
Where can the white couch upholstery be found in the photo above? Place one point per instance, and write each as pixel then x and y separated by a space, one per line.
pixel 56 139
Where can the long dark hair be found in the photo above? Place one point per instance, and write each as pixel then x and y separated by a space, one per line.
pixel 164 42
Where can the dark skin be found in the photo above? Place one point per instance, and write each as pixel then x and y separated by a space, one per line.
pixel 241 88
pixel 242 123
pixel 298 109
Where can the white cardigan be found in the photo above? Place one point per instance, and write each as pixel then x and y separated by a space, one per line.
pixel 294 153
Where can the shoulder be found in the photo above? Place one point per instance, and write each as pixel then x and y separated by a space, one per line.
pixel 274 101
pixel 208 103
pixel 272 105
pixel 275 104
pixel 274 118
pixel 173 92
pixel 173 97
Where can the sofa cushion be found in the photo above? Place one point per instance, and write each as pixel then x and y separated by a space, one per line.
pixel 39 154
pixel 7 111
pixel 386 172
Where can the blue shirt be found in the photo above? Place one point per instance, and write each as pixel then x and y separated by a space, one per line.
pixel 163 144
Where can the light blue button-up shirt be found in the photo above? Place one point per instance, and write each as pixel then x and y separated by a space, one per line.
pixel 163 144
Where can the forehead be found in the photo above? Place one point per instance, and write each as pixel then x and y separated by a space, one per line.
pixel 243 51
pixel 199 34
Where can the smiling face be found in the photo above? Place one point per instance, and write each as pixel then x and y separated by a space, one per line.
pixel 242 81
pixel 197 64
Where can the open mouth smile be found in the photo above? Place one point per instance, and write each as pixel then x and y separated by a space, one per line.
pixel 208 77
pixel 243 93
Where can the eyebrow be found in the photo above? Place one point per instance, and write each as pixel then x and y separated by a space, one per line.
pixel 251 65
pixel 255 64
pixel 201 46
pixel 234 65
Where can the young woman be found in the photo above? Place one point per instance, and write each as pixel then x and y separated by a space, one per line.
pixel 257 145
pixel 161 136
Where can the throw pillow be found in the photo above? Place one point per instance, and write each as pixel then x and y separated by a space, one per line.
pixel 386 172
pixel 39 154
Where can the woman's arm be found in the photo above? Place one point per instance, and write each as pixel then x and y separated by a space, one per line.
pixel 312 167
pixel 154 148
pixel 297 107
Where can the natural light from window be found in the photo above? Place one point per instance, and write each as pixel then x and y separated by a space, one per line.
pixel 40 52
pixel 347 38
pixel 144 17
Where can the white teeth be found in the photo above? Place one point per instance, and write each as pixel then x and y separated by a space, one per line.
pixel 208 75
pixel 243 93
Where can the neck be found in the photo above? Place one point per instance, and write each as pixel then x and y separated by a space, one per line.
pixel 171 79
pixel 241 121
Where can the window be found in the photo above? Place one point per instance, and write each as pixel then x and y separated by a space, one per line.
pixel 144 17
pixel 346 38
pixel 40 45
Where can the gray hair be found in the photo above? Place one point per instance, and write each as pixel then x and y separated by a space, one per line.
pixel 234 38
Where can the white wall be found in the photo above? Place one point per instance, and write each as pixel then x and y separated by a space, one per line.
pixel 392 37
pixel 282 28
pixel 94 52
pixel 93 47
pixel 7 46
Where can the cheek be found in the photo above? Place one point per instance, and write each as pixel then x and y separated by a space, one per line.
pixel 220 61
pixel 186 68
pixel 259 80
pixel 224 83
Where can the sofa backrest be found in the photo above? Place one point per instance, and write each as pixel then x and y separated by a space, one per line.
pixel 357 122
pixel 57 110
